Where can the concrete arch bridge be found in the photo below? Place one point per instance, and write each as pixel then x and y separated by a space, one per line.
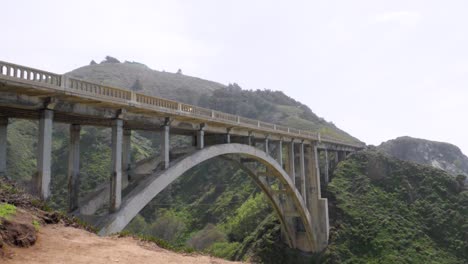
pixel 284 162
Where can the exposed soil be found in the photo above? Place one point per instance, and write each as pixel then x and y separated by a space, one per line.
pixel 60 244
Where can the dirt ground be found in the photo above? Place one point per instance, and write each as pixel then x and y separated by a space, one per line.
pixel 58 244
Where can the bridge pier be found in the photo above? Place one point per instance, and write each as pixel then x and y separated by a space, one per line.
pixel 201 137
pixel 227 136
pixel 126 156
pixel 267 149
pixel 116 165
pixel 250 139
pixel 341 155
pixel 73 167
pixel 302 172
pixel 165 145
pixel 279 155
pixel 326 176
pixel 3 145
pixel 290 168
pixel 318 206
pixel 44 156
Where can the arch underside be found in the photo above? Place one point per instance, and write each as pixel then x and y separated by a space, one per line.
pixel 142 194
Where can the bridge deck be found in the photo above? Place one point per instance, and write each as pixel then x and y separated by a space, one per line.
pixel 37 84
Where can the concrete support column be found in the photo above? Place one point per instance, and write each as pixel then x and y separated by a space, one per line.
pixel 73 167
pixel 126 156
pixel 116 165
pixel 318 206
pixel 250 139
pixel 3 145
pixel 165 145
pixel 44 155
pixel 280 153
pixel 326 176
pixel 290 164
pixel 337 160
pixel 200 139
pixel 267 151
pixel 341 155
pixel 227 137
pixel 302 171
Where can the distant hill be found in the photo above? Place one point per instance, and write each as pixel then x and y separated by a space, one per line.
pixel 265 105
pixel 440 155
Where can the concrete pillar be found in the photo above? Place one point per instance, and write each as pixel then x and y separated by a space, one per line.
pixel 165 145
pixel 302 171
pixel 250 139
pixel 116 165
pixel 290 165
pixel 126 156
pixel 341 155
pixel 73 167
pixel 200 139
pixel 267 151
pixel 337 160
pixel 44 155
pixel 280 153
pixel 318 206
pixel 227 138
pixel 326 176
pixel 3 145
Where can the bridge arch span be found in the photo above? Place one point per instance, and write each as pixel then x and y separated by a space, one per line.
pixel 141 195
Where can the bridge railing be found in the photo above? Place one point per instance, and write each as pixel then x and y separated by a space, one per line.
pixel 29 74
pixel 98 90
pixel 152 102
pixel 156 102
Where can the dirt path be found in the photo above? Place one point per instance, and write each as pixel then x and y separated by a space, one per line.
pixel 57 244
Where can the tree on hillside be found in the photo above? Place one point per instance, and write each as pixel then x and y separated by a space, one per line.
pixel 179 71
pixel 92 63
pixel 110 59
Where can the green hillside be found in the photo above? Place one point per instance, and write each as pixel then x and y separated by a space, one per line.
pixel 389 211
pixel 265 105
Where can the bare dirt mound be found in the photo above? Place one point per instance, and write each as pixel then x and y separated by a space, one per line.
pixel 60 244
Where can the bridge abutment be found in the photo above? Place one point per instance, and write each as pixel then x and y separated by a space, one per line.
pixel 3 145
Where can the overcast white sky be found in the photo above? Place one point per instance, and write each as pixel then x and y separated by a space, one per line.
pixel 377 69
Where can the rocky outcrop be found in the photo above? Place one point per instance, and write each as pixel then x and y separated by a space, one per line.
pixel 440 155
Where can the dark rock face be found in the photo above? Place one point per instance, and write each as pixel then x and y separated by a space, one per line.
pixel 437 154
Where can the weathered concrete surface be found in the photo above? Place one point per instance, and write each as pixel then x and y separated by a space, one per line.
pixel 73 167
pixel 3 145
pixel 44 155
pixel 126 156
pixel 165 145
pixel 150 187
pixel 116 166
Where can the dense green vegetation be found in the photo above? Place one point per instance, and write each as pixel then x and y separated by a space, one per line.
pixel 391 211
